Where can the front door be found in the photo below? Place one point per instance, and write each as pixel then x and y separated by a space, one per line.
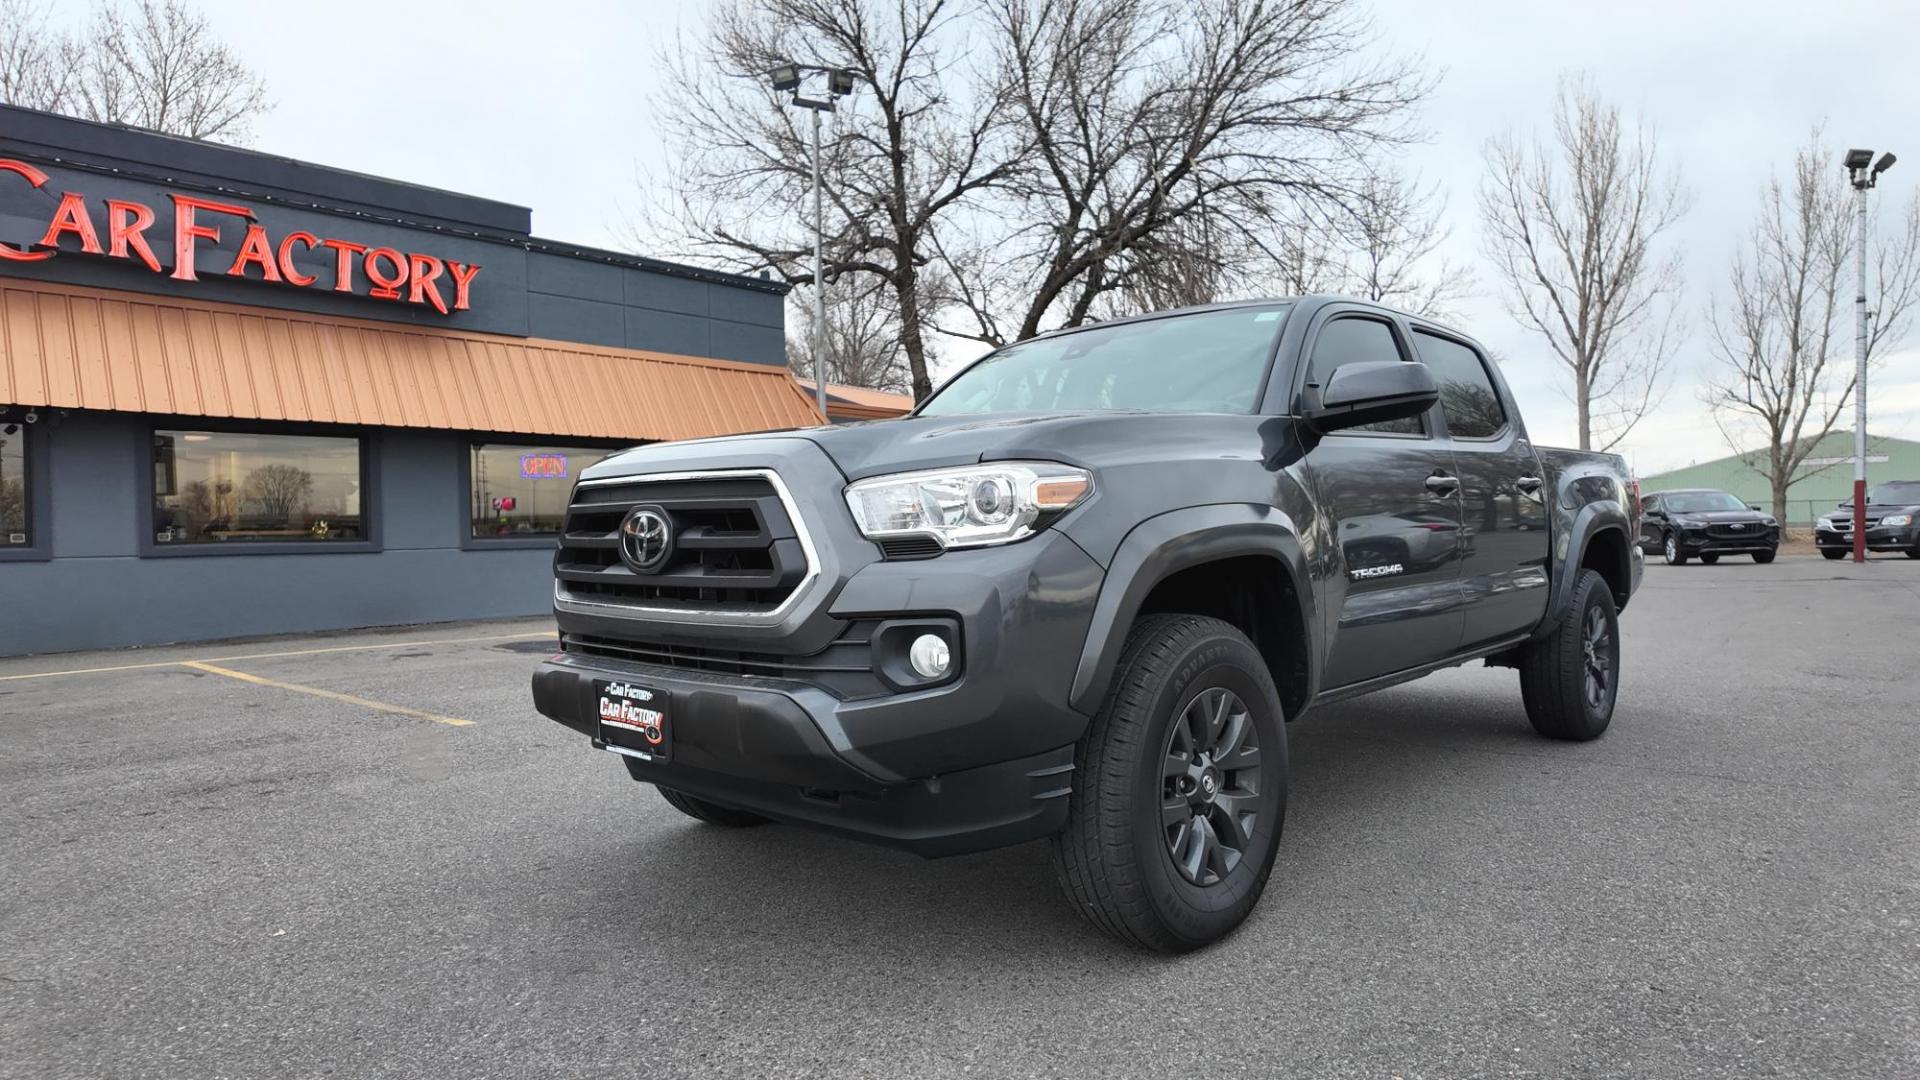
pixel 1391 506
pixel 1504 536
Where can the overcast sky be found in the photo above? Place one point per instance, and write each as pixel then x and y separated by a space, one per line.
pixel 550 105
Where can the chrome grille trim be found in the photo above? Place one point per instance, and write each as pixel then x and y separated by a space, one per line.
pixel 563 601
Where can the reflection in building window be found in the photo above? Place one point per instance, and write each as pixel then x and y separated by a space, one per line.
pixel 521 490
pixel 16 522
pixel 214 487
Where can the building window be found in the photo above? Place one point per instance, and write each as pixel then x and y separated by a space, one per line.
pixel 521 490
pixel 228 487
pixel 16 511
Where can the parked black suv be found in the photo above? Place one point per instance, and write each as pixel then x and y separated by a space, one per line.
pixel 1080 590
pixel 1704 524
pixel 1893 522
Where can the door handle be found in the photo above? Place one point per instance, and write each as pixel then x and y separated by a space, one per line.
pixel 1528 484
pixel 1442 484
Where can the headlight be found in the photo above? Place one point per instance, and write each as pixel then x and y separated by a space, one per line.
pixel 968 506
pixel 1823 523
pixel 1897 520
pixel 1769 522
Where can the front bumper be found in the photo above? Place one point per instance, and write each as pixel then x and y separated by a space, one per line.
pixel 1899 538
pixel 1701 543
pixel 763 748
pixel 982 761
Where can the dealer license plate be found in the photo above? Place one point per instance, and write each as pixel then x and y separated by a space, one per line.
pixel 634 718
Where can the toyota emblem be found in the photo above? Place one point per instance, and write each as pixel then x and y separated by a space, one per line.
pixel 646 538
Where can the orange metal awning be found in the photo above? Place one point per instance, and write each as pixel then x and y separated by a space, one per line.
pixel 64 346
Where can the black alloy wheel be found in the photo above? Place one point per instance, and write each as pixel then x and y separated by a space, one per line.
pixel 1210 788
pixel 1597 641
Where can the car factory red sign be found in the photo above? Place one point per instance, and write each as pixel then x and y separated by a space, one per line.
pixel 386 273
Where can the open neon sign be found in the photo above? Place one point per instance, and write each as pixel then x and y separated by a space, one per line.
pixel 543 466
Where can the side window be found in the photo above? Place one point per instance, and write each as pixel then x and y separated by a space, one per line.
pixel 1354 340
pixel 1467 396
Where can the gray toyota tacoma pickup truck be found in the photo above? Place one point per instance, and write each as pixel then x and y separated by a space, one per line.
pixel 1079 593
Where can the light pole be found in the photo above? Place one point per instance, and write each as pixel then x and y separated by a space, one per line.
pixel 1863 172
pixel 786 79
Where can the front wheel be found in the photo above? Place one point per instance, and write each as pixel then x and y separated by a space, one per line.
pixel 1570 678
pixel 1709 560
pixel 1837 553
pixel 1763 557
pixel 1180 788
pixel 1675 557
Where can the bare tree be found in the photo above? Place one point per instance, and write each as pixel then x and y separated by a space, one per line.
pixel 280 490
pixel 37 64
pixel 1573 228
pixel 919 138
pixel 1165 133
pixel 1397 234
pixel 863 338
pixel 152 63
pixel 1783 338
pixel 160 66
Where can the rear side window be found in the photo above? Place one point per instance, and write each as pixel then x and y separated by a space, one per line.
pixel 1467 396
pixel 1354 341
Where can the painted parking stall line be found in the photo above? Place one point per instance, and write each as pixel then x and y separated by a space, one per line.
pixel 158 664
pixel 330 695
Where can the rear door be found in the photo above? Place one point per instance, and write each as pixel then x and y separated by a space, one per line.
pixel 1503 492
pixel 1391 516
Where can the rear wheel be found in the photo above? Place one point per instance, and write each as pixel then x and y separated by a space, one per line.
pixel 1763 557
pixel 1570 679
pixel 1671 548
pixel 1835 553
pixel 1180 788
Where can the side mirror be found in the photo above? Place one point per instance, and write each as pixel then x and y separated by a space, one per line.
pixel 1754 507
pixel 1374 391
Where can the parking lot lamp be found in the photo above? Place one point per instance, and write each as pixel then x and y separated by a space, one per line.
pixel 787 78
pixel 1864 173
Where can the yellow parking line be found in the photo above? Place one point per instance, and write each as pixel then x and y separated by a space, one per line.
pixel 330 695
pixel 274 655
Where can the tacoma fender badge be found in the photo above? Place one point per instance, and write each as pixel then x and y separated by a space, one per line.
pixel 1365 572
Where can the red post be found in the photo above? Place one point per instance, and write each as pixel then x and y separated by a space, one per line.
pixel 1859 521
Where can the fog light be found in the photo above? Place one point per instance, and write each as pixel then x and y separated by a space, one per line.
pixel 930 656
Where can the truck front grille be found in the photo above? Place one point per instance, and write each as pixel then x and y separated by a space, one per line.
pixel 844 668
pixel 736 549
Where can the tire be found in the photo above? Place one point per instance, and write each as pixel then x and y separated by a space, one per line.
pixel 711 813
pixel 1556 677
pixel 1833 553
pixel 1675 557
pixel 1763 557
pixel 1178 676
pixel 702 810
pixel 1709 560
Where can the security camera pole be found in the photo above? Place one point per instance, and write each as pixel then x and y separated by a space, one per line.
pixel 1864 173
pixel 786 79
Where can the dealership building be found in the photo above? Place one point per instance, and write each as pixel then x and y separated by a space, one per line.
pixel 241 394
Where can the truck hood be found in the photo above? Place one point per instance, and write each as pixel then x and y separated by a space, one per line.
pixel 886 446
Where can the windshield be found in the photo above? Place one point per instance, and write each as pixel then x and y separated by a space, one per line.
pixel 1210 361
pixel 1700 502
pixel 1900 491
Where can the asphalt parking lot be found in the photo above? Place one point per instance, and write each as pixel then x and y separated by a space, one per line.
pixel 364 855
